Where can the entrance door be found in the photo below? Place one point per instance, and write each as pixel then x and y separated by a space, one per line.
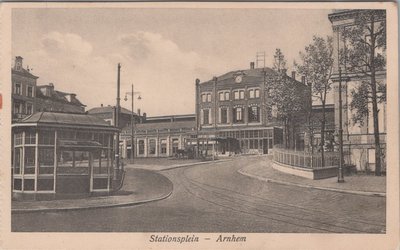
pixel 265 146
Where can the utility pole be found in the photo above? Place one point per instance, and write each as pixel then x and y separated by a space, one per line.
pixel 132 135
pixel 340 173
pixel 132 94
pixel 116 168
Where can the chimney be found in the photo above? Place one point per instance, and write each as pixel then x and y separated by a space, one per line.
pixel 251 65
pixel 101 105
pixel 303 80
pixel 138 112
pixel 294 75
pixel 50 89
pixel 18 63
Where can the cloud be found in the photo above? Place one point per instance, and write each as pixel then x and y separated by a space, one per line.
pixel 163 72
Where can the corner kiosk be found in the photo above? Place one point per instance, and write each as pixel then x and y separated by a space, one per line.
pixel 61 154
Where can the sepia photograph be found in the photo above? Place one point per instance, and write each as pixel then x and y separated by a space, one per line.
pixel 200 124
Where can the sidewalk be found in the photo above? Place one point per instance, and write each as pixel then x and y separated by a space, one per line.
pixel 354 184
pixel 140 186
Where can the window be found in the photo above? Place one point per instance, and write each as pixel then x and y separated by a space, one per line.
pixel 46 160
pixel 141 147
pixel 152 146
pixel 254 114
pixel 17 89
pixel 224 96
pixel 254 93
pixel 203 98
pixel 175 145
pixel 18 138
pixel 29 160
pixel 17 108
pixel 46 137
pixel 30 137
pixel 251 93
pixel 236 95
pixel 227 96
pixel 238 115
pixel 206 116
pixel 208 97
pixel 29 109
pixel 224 115
pixel 241 94
pixel 17 160
pixel 221 96
pixel 29 91
pixel 163 143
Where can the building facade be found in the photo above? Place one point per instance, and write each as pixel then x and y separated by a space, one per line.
pixel 159 136
pixel 358 139
pixel 49 99
pixel 232 112
pixel 23 91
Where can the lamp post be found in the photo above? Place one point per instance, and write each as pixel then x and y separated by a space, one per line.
pixel 132 94
pixel 340 173
pixel 116 123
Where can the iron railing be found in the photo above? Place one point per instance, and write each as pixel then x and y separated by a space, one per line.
pixel 304 159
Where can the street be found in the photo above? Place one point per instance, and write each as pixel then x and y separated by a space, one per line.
pixel 216 198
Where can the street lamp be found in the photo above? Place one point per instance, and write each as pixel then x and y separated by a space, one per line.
pixel 132 94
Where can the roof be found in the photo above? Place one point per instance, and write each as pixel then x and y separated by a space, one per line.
pixel 255 75
pixel 56 118
pixel 57 96
pixel 108 109
pixel 23 72
pixel 163 125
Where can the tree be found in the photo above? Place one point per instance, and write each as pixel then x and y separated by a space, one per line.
pixel 364 55
pixel 286 96
pixel 279 63
pixel 316 65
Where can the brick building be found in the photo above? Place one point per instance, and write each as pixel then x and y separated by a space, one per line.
pixel 23 91
pixel 232 112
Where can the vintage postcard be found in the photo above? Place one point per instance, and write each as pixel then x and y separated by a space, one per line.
pixel 199 125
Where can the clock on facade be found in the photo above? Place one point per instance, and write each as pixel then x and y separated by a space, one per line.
pixel 238 79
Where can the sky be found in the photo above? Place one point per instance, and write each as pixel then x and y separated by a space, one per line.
pixel 161 51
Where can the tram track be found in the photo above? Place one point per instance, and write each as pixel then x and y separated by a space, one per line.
pixel 313 219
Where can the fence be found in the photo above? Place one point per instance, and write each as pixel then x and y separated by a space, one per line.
pixel 305 160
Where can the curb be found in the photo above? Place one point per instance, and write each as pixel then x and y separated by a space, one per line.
pixel 367 193
pixel 194 164
pixel 19 211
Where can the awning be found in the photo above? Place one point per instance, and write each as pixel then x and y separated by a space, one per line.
pixel 79 145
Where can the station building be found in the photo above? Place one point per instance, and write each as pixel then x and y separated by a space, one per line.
pixel 158 136
pixel 232 112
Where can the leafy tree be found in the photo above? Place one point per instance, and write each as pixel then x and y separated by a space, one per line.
pixel 279 63
pixel 286 96
pixel 316 65
pixel 364 55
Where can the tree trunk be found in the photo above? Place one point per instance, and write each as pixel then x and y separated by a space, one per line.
pixel 374 102
pixel 323 134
